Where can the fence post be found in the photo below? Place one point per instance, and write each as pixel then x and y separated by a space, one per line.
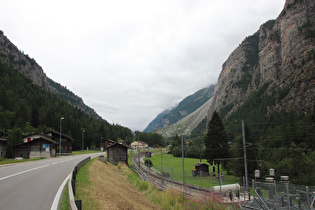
pixel 287 186
pixel 200 174
pixel 253 181
pixel 308 198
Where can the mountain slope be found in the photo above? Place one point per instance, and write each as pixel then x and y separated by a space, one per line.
pixel 10 54
pixel 277 62
pixel 184 108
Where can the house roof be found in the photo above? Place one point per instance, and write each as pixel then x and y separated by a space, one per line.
pixel 30 142
pixel 34 134
pixel 55 132
pixel 117 144
pixel 139 142
pixel 200 163
pixel 3 140
pixel 109 140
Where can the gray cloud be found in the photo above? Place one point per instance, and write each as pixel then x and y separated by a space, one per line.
pixel 130 60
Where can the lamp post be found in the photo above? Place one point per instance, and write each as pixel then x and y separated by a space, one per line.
pixel 101 144
pixel 83 140
pixel 60 135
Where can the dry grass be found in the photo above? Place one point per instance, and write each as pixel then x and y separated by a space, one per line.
pixel 111 190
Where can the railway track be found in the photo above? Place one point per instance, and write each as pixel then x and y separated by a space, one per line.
pixel 165 183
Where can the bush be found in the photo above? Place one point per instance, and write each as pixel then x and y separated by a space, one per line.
pixel 148 163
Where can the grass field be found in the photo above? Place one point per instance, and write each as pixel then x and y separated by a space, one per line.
pixel 79 152
pixel 173 166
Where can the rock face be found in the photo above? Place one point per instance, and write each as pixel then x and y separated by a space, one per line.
pixel 281 55
pixel 10 54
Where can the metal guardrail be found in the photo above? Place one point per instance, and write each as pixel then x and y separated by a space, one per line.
pixel 75 204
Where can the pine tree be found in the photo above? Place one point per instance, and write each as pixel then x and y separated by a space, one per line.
pixel 215 140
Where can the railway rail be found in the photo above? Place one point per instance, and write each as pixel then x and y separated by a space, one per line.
pixel 165 183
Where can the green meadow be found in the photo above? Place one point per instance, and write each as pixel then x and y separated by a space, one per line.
pixel 174 167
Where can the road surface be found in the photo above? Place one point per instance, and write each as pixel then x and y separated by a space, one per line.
pixel 34 185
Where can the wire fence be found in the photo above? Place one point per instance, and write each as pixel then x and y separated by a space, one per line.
pixel 280 195
pixel 261 194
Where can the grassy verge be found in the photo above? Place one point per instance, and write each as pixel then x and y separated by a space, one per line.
pixel 104 186
pixel 172 199
pixel 83 188
pixel 65 199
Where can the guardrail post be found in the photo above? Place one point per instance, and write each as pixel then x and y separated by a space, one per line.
pixel 73 186
pixel 78 203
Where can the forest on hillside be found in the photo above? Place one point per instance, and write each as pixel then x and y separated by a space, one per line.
pixel 283 141
pixel 26 108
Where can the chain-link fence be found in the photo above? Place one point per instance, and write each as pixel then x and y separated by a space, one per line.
pixel 269 194
pixel 261 194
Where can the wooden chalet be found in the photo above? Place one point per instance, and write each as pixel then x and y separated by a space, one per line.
pixel 66 142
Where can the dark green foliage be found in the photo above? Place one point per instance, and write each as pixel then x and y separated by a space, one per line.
pixel 14 137
pixel 237 153
pixel 199 130
pixel 289 149
pixel 153 139
pixel 215 140
pixel 25 106
pixel 148 163
pixel 193 147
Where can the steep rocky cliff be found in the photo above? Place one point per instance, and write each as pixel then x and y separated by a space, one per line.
pixel 281 53
pixel 279 56
pixel 10 54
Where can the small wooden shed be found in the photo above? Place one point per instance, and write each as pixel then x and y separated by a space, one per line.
pixel 117 153
pixel 201 167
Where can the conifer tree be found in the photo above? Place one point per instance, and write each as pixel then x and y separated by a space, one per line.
pixel 215 140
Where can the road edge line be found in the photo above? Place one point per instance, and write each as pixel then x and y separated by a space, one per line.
pixel 57 198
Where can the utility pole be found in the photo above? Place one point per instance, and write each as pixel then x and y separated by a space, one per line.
pixel 183 161
pixel 83 140
pixel 245 160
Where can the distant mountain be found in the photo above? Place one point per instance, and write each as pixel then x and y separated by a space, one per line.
pixel 270 73
pixel 11 55
pixel 184 108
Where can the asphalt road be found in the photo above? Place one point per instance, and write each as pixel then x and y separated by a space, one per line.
pixel 33 185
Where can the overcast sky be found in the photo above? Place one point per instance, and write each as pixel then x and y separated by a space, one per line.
pixel 129 60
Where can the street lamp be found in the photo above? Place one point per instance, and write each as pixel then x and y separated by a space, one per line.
pixel 60 135
pixel 101 144
pixel 83 139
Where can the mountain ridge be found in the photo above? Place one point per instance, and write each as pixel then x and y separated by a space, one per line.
pixel 10 54
pixel 280 54
pixel 187 106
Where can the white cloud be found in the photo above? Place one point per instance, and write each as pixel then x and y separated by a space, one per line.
pixel 130 60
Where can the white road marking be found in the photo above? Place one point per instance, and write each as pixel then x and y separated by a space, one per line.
pixel 55 203
pixel 22 172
